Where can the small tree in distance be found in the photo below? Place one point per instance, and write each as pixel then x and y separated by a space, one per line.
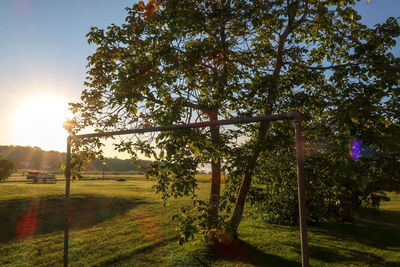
pixel 188 61
pixel 7 167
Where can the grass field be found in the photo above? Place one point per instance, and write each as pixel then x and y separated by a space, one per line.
pixel 124 224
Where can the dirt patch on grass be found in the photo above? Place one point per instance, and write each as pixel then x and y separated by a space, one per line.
pixel 148 226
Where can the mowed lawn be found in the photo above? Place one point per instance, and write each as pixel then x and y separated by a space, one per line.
pixel 124 224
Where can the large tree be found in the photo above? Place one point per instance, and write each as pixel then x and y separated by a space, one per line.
pixel 187 61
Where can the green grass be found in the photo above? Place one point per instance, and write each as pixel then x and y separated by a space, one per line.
pixel 124 224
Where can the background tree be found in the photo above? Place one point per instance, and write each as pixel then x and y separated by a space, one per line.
pixel 7 167
pixel 187 61
pixel 352 106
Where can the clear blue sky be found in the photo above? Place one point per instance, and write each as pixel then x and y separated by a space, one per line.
pixel 43 49
pixel 48 36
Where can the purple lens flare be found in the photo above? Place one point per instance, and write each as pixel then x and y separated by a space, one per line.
pixel 355 149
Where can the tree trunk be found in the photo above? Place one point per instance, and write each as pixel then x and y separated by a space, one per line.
pixel 246 181
pixel 272 97
pixel 215 175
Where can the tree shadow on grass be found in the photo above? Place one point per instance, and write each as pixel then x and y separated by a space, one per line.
pixel 379 216
pixel 372 227
pixel 123 257
pixel 238 250
pixel 331 255
pixel 24 218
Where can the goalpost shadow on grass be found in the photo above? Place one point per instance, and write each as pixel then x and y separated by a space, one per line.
pixel 295 116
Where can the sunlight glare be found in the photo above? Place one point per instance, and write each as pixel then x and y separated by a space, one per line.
pixel 39 122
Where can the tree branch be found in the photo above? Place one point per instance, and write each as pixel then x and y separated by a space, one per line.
pixel 334 66
pixel 149 96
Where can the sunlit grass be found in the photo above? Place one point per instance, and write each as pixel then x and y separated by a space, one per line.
pixel 394 203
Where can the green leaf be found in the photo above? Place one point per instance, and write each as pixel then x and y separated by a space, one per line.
pixel 196 151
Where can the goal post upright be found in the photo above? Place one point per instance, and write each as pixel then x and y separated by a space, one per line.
pixel 301 189
pixel 297 118
pixel 67 194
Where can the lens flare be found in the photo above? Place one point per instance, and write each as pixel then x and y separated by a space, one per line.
pixel 355 152
pixel 26 226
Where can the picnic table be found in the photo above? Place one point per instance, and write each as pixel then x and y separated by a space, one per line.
pixel 36 176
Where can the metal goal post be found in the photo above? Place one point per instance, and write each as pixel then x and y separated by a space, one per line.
pixel 295 116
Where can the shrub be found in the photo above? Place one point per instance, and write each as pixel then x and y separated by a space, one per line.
pixel 7 167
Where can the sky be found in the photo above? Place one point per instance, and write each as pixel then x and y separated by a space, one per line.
pixel 43 51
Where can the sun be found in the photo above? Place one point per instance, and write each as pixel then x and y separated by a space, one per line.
pixel 39 122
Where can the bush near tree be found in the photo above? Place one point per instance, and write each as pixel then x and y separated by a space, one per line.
pixel 336 183
pixel 186 61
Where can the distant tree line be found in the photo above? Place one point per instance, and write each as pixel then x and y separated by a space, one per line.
pixel 34 158
pixel 116 165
